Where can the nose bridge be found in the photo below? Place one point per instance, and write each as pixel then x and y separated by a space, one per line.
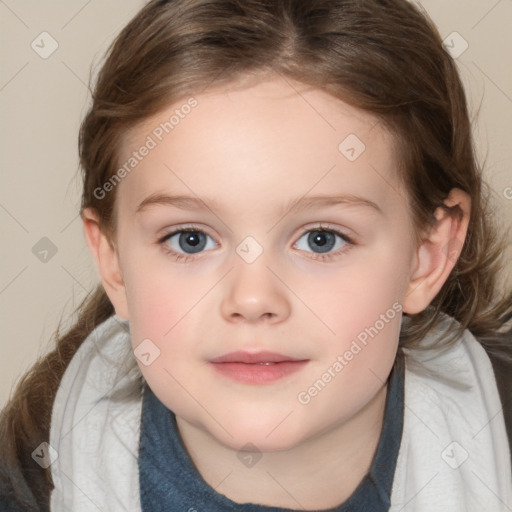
pixel 253 293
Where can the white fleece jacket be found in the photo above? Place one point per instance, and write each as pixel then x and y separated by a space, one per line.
pixel 454 455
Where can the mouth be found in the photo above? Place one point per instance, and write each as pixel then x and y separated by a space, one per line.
pixel 257 368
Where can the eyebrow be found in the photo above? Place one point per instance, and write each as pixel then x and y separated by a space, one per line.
pixel 301 203
pixel 183 202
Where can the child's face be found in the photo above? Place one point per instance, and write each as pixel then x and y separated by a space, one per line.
pixel 249 154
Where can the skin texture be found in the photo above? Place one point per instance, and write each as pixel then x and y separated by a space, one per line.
pixel 254 149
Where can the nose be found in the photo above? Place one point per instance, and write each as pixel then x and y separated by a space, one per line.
pixel 254 294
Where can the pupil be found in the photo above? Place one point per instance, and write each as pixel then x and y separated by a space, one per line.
pixel 196 241
pixel 323 239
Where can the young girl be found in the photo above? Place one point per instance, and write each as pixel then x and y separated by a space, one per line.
pixel 298 306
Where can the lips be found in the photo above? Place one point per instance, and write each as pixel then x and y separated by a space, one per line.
pixel 257 358
pixel 257 368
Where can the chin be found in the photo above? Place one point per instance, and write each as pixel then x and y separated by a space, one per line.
pixel 264 436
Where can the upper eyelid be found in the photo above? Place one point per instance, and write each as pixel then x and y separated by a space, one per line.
pixel 322 227
pixel 165 233
pixel 185 227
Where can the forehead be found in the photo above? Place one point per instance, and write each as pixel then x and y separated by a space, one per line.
pixel 270 141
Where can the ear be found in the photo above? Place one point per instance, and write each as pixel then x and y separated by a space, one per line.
pixel 438 252
pixel 107 261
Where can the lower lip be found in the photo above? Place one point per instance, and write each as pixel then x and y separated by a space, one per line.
pixel 258 373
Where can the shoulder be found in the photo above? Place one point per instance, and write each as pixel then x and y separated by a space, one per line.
pixel 453 419
pixel 502 366
pixel 25 426
pixel 99 400
pixel 465 372
pixel 24 485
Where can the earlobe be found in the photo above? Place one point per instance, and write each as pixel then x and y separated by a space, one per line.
pixel 438 252
pixel 107 262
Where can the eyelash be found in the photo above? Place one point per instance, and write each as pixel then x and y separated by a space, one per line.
pixel 179 257
pixel 184 258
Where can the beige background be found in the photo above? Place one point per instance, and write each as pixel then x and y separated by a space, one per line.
pixel 43 100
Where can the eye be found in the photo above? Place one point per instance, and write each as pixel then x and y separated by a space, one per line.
pixel 187 241
pixel 323 244
pixel 321 241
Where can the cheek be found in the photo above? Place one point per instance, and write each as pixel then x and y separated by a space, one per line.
pixel 360 307
pixel 152 307
pixel 158 294
pixel 357 361
pixel 160 325
pixel 163 307
pixel 355 296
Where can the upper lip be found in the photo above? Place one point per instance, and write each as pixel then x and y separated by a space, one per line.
pixel 254 358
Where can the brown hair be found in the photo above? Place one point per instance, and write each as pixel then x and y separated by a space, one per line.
pixel 383 56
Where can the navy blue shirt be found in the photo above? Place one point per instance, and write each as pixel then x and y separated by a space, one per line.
pixel 169 480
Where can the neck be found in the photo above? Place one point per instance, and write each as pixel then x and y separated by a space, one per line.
pixel 321 472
